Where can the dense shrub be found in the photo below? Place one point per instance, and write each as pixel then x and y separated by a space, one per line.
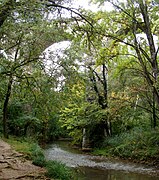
pixel 136 144
pixel 38 157
pixel 58 170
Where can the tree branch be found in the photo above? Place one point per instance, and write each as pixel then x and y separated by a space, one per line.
pixel 53 4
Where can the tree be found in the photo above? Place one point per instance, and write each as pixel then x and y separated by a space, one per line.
pixel 110 43
pixel 133 21
pixel 22 50
pixel 20 40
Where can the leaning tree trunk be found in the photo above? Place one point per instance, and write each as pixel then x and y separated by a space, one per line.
pixel 5 106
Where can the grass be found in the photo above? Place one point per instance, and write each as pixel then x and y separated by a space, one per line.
pixel 37 155
pixel 137 144
pixel 22 145
pixel 58 170
pixel 34 152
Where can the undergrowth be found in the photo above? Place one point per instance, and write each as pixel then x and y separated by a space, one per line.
pixel 58 170
pixel 136 144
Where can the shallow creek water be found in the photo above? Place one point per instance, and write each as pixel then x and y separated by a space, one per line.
pixel 91 167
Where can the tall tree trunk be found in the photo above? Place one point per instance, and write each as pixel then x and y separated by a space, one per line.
pixel 154 111
pixel 5 106
pixel 102 96
pixel 153 51
pixel 153 58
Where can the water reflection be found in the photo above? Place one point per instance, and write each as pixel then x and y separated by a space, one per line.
pixel 87 173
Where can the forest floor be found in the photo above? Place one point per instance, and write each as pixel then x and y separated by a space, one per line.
pixel 14 166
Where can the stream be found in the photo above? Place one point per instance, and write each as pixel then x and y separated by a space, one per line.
pixel 91 167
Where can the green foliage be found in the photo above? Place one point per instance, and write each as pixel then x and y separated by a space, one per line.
pixel 54 128
pixel 75 118
pixel 136 144
pixel 58 170
pixel 37 155
pixel 21 120
pixel 101 152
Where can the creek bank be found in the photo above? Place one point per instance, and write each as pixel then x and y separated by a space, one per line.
pixel 152 162
pixel 13 165
pixel 61 151
pixel 149 162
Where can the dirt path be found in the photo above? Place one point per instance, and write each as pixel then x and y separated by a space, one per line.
pixel 14 166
